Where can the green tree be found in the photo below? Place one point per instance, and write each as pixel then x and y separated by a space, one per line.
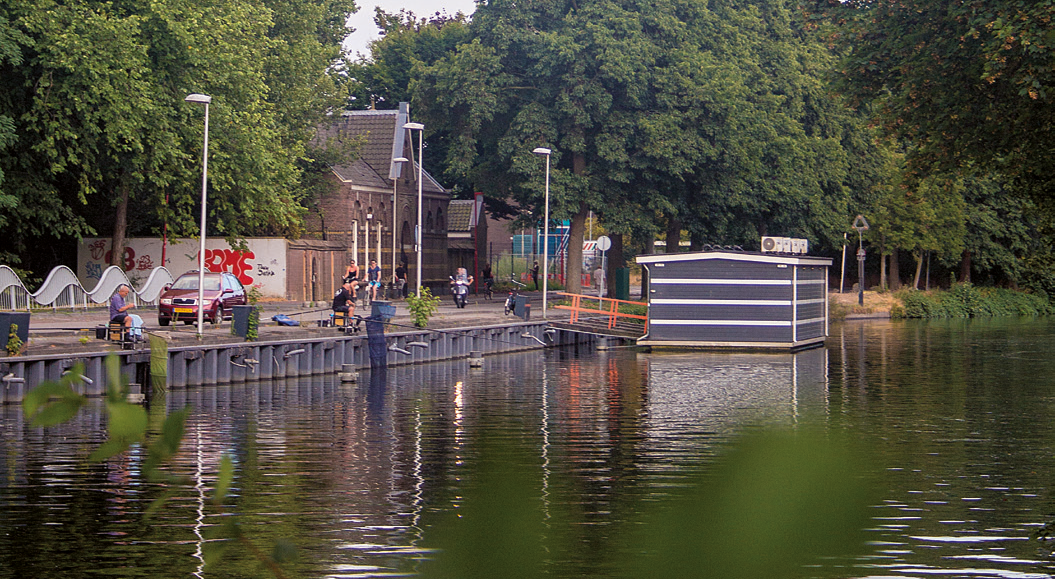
pixel 968 83
pixel 97 101
pixel 710 117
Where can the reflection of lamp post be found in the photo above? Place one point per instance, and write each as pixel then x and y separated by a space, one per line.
pixel 421 150
pixel 861 225
pixel 395 204
pixel 205 100
pixel 545 236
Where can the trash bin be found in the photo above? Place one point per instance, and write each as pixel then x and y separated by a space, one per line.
pixel 522 307
pixel 21 319
pixel 622 283
pixel 240 320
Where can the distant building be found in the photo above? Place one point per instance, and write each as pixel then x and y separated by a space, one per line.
pixel 360 213
pixel 467 235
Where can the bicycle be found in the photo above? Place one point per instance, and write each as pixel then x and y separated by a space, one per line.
pixel 489 287
pixel 511 301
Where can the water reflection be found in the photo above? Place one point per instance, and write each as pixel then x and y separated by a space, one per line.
pixel 959 415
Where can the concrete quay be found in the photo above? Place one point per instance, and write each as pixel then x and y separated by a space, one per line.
pixel 60 340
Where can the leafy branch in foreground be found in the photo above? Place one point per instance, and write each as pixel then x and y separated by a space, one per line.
pixel 157 432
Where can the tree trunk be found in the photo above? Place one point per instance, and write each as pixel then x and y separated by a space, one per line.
pixel 615 259
pixel 895 270
pixel 882 262
pixel 650 245
pixel 117 247
pixel 919 268
pixel 695 242
pixel 673 235
pixel 575 238
pixel 965 266
pixel 576 234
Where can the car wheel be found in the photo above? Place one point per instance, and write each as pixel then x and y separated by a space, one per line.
pixel 163 321
pixel 218 316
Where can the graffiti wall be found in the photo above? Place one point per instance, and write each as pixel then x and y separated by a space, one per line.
pixel 263 265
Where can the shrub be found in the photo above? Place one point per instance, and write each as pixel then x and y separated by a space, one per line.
pixel 965 300
pixel 422 308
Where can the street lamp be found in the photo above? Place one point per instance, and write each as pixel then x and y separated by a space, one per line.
pixel 545 235
pixel 366 246
pixel 204 100
pixel 861 225
pixel 395 204
pixel 421 149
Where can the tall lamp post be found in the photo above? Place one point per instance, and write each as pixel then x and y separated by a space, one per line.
pixel 861 225
pixel 545 235
pixel 421 149
pixel 204 100
pixel 395 204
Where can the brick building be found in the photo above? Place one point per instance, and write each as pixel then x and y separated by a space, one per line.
pixel 360 212
pixel 467 235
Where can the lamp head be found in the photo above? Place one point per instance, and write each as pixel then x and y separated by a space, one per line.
pixel 414 126
pixel 198 98
pixel 401 160
pixel 541 151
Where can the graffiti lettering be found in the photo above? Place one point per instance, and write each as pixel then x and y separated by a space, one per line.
pixel 94 270
pixel 97 248
pixel 145 263
pixel 130 258
pixel 263 270
pixel 218 260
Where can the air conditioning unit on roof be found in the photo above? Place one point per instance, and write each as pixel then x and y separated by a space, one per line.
pixel 784 245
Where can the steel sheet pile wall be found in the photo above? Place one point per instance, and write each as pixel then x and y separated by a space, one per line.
pixel 248 361
pixel 724 299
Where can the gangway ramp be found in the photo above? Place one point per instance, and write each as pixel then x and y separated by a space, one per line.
pixel 604 316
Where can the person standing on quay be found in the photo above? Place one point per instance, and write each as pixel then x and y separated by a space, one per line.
pixel 534 274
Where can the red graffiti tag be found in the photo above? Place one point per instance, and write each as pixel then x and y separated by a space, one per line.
pixel 218 260
pixel 130 258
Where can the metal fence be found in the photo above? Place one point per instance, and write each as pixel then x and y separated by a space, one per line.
pixel 62 289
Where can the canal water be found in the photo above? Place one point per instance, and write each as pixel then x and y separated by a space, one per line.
pixel 362 480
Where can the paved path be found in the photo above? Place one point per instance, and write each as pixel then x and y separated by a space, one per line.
pixel 68 332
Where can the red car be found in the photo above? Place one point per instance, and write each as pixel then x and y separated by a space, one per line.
pixel 179 301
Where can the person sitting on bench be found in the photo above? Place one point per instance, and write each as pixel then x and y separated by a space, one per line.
pixel 119 307
pixel 344 299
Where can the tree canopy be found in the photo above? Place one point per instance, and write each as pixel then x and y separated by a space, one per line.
pixel 95 97
pixel 964 82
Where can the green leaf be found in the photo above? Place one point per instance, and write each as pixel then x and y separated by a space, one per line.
pixel 108 449
pixel 223 479
pixel 127 421
pixel 58 412
pixel 40 396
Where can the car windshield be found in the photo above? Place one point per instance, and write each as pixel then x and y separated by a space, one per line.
pixel 190 282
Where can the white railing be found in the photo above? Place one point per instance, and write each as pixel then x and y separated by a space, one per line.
pixel 62 289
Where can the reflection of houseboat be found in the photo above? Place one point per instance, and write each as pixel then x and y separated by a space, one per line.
pixel 719 299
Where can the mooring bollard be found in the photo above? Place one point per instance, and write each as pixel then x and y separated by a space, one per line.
pixel 348 373
pixel 135 394
pixel 476 359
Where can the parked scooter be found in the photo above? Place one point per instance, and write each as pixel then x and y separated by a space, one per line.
pixel 460 291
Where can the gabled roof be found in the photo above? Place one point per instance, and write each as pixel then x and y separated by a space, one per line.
pixel 361 174
pixel 460 215
pixel 384 139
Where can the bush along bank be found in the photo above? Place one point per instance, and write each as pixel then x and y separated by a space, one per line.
pixel 968 301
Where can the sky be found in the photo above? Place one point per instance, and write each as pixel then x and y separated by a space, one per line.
pixel 363 20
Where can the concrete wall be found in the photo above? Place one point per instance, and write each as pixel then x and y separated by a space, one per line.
pixel 263 265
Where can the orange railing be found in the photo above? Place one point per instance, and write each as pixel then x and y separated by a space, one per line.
pixel 605 306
